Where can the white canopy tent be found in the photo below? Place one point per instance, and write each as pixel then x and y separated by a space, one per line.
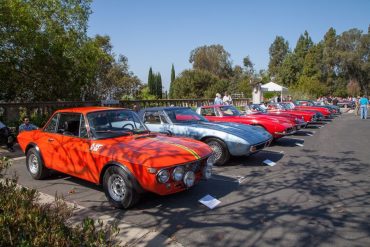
pixel 273 87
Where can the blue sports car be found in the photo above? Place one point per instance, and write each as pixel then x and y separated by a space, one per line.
pixel 224 138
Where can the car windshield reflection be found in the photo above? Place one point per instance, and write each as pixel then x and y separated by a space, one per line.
pixel 229 111
pixel 184 115
pixel 115 123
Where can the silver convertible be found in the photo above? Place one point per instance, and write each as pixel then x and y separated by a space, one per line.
pixel 224 138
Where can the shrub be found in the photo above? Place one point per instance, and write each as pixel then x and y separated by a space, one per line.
pixel 24 222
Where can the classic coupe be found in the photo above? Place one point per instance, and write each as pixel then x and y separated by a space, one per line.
pixel 299 119
pixel 277 126
pixel 225 139
pixel 309 116
pixel 324 111
pixel 332 108
pixel 112 147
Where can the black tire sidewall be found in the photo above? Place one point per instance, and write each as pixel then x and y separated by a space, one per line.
pixel 130 196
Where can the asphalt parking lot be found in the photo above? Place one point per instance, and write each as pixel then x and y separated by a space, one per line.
pixel 317 194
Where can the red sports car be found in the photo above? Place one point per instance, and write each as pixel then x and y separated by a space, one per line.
pixel 276 126
pixel 324 111
pixel 257 109
pixel 309 116
pixel 112 147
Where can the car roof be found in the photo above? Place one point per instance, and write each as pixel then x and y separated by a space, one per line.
pixel 88 109
pixel 161 108
pixel 212 106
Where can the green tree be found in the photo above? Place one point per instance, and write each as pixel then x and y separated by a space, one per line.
pixel 144 94
pixel 329 59
pixel 40 46
pixel 214 59
pixel 289 71
pixel 278 51
pixel 353 54
pixel 192 84
pixel 151 82
pixel 173 77
pixel 304 44
pixel 248 66
pixel 158 85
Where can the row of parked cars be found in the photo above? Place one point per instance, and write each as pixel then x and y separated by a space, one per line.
pixel 163 150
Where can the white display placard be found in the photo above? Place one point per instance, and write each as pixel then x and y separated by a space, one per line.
pixel 269 162
pixel 209 201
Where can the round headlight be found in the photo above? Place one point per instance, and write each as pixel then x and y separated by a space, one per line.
pixel 163 176
pixel 178 173
pixel 189 179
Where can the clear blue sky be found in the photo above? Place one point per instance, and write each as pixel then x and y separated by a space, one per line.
pixel 159 33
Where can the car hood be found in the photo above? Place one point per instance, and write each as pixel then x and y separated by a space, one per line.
pixel 250 133
pixel 154 150
pixel 265 117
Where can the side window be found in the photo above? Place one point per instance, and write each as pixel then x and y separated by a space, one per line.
pixel 69 124
pixel 52 126
pixel 207 112
pixel 152 118
pixel 83 130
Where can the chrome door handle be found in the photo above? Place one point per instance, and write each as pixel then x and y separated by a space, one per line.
pixel 50 140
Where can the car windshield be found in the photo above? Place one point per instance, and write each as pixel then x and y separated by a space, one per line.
pixel 184 115
pixel 115 123
pixel 287 106
pixel 229 111
pixel 257 107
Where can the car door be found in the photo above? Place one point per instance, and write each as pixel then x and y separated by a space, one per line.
pixel 50 143
pixel 77 146
pixel 152 119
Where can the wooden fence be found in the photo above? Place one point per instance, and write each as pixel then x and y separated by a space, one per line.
pixel 10 112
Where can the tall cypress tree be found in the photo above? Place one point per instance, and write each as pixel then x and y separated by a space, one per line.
pixel 151 82
pixel 158 86
pixel 172 80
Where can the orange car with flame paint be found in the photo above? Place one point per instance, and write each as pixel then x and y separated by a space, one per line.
pixel 112 147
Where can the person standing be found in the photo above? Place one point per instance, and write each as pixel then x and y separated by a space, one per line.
pixel 357 105
pixel 227 99
pixel 218 100
pixel 364 102
pixel 26 125
pixel 335 101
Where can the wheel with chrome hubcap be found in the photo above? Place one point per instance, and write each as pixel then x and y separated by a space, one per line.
pixel 35 165
pixel 220 152
pixel 118 188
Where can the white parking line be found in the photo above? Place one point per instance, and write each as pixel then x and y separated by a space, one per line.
pixel 231 179
pixel 19 158
pixel 272 151
pixel 298 139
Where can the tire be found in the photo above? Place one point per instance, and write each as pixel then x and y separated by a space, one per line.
pixel 119 189
pixel 221 153
pixel 35 165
